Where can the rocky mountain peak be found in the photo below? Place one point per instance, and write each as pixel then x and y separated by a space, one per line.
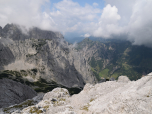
pixel 17 32
pixel 42 54
pixel 1 30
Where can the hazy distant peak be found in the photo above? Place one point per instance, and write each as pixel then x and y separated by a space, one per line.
pixel 19 32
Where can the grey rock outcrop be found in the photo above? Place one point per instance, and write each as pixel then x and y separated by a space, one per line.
pixel 6 56
pixel 111 97
pixel 56 93
pixel 124 79
pixel 12 92
pixel 47 53
pixel 97 50
pixel 112 79
pixel 0 30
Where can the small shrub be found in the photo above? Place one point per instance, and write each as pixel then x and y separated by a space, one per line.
pixel 35 110
pixel 85 107
pixel 92 99
pixel 46 107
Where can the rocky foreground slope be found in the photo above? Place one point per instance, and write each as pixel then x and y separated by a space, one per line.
pixel 39 54
pixel 12 92
pixel 112 97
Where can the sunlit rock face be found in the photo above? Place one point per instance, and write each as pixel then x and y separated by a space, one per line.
pixel 111 97
pixel 123 79
pixel 12 92
pixel 44 52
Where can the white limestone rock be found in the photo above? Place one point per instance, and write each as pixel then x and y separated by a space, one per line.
pixel 56 93
pixel 124 79
pixel 111 97
pixel 53 102
pixel 150 74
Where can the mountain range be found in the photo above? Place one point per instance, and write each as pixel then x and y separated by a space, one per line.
pixel 112 58
pixel 40 72
pixel 42 60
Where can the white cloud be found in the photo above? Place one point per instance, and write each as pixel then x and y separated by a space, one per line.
pixel 140 25
pixel 71 17
pixel 110 15
pixel 131 17
pixel 136 20
pixel 25 12
pixel 95 4
pixel 87 35
pixel 108 23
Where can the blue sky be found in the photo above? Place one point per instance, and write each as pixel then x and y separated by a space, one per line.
pixel 98 4
pixel 84 2
pixel 83 18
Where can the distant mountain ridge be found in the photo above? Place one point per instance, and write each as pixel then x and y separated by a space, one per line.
pixel 100 39
pixel 112 58
pixel 41 55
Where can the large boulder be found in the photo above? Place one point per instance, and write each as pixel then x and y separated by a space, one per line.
pixel 123 79
pixel 56 93
pixel 12 92
pixel 150 74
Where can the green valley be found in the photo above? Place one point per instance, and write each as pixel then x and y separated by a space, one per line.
pixel 112 58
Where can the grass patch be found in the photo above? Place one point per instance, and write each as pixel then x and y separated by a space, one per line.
pixel 19 106
pixel 39 86
pixel 86 107
pixel 115 75
pixel 104 73
pixel 35 110
pixel 92 99
pixel 46 107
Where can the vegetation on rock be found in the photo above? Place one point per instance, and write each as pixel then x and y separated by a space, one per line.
pixel 39 86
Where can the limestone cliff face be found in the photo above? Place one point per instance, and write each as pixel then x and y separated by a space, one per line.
pixel 99 51
pixel 46 53
pixel 12 92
